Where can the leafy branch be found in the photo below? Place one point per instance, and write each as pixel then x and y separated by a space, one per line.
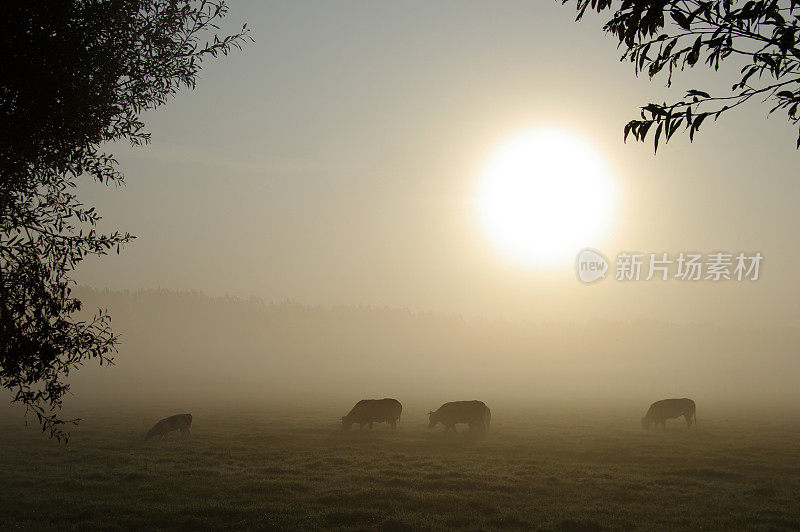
pixel 666 36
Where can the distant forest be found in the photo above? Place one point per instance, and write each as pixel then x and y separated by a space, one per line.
pixel 195 347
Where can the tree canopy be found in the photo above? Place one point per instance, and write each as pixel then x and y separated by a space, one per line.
pixel 76 75
pixel 666 36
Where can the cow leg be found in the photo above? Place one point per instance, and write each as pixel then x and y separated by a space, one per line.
pixel 688 418
pixel 393 424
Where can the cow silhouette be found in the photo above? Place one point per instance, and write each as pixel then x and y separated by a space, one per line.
pixel 181 422
pixel 660 411
pixel 369 411
pixel 474 413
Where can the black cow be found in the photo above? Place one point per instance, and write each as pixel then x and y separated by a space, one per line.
pixel 660 411
pixel 181 422
pixel 369 411
pixel 474 413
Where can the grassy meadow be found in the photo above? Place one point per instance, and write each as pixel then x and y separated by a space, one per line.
pixel 299 470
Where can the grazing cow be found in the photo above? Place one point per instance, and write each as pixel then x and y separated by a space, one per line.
pixel 369 411
pixel 475 413
pixel 181 422
pixel 660 411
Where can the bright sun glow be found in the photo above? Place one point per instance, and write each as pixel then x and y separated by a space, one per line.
pixel 545 195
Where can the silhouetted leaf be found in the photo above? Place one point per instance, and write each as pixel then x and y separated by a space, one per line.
pixel 655 139
pixel 681 19
pixel 695 92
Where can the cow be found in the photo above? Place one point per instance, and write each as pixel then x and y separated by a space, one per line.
pixel 660 411
pixel 181 422
pixel 369 411
pixel 474 413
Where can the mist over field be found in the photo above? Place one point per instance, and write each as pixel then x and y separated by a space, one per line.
pixel 267 383
pixel 188 350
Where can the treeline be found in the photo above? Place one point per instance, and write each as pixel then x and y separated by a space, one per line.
pixel 226 349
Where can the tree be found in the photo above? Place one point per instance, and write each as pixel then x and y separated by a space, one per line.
pixel 677 34
pixel 74 76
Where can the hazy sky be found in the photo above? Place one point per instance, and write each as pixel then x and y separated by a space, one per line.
pixel 335 161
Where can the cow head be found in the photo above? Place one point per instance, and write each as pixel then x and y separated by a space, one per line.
pixel 346 423
pixel 646 422
pixel 150 434
pixel 433 419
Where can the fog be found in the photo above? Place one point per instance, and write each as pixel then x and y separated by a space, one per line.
pixel 183 351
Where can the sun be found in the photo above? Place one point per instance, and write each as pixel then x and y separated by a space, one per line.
pixel 545 195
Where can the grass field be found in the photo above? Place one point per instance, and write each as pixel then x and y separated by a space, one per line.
pixel 296 470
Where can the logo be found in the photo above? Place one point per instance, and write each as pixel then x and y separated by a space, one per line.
pixel 591 266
